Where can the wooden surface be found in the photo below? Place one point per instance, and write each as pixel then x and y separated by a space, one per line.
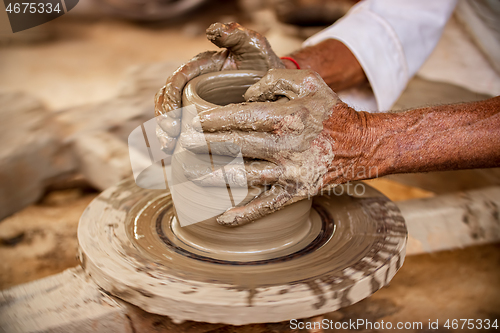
pixel 67 302
pixel 71 301
pixel 452 221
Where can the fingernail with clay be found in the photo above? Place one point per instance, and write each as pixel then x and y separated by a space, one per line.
pixel 214 31
pixel 227 219
pixel 171 126
pixel 196 124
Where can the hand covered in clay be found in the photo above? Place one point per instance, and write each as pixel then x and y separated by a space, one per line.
pixel 297 145
pixel 244 49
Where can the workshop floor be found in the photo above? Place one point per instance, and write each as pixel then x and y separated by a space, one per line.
pixel 86 62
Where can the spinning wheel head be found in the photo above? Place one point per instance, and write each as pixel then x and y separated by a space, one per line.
pixel 131 245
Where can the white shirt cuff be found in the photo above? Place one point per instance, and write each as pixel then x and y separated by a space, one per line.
pixel 376 46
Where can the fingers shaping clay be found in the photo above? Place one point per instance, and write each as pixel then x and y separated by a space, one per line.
pixel 289 134
pixel 296 263
pixel 244 49
pixel 283 232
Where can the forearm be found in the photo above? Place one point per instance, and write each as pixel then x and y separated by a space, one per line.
pixel 333 61
pixel 448 137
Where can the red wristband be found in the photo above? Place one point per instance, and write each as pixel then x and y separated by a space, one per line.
pixel 292 60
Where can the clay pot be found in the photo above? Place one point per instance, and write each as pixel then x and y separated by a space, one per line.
pixel 280 232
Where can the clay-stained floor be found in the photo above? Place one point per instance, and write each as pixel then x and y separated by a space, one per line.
pixel 86 62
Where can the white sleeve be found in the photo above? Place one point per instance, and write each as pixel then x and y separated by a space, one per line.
pixel 391 40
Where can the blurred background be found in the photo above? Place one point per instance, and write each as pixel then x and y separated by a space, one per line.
pixel 71 90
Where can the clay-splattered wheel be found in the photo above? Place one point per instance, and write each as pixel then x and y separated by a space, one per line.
pixel 128 247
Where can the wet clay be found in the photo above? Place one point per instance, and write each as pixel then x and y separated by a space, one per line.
pixel 297 262
pixel 128 247
pixel 288 134
pixel 281 233
pixel 244 50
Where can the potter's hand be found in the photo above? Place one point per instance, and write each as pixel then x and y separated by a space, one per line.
pixel 303 144
pixel 244 49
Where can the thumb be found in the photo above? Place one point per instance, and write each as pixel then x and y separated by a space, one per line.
pixel 239 40
pixel 227 35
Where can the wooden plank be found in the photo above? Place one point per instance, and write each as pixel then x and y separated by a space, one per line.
pixel 445 182
pixel 452 221
pixel 65 302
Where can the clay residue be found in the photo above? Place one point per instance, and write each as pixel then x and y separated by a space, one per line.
pixel 288 134
pixel 244 50
pixel 156 275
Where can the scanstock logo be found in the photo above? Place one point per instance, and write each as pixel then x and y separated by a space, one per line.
pixel 26 14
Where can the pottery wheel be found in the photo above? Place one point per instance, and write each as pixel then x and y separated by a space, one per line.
pixel 131 246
